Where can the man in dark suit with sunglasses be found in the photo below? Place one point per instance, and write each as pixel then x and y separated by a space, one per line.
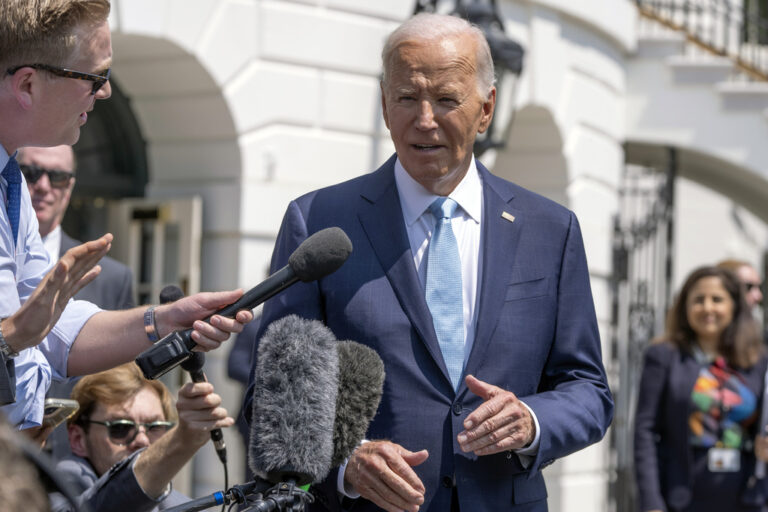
pixel 50 177
pixel 127 444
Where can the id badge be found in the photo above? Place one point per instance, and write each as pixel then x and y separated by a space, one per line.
pixel 723 460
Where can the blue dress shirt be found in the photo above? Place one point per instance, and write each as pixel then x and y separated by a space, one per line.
pixel 21 270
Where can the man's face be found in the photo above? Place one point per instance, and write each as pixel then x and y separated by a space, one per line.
pixel 50 203
pixel 752 283
pixel 433 109
pixel 95 444
pixel 65 101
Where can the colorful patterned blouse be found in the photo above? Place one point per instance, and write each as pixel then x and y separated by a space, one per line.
pixel 723 407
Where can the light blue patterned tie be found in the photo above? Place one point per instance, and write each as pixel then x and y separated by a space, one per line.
pixel 444 290
pixel 12 175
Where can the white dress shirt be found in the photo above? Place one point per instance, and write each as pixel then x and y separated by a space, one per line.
pixel 22 267
pixel 52 243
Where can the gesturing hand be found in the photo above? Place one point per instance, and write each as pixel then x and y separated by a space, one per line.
pixel 37 316
pixel 500 424
pixel 381 472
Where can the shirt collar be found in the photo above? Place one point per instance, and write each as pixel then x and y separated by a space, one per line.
pixel 415 199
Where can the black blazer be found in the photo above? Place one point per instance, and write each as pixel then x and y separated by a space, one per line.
pixel 662 452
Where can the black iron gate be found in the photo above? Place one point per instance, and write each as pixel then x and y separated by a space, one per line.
pixel 641 288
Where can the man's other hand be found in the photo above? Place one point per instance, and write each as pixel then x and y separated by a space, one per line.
pixel 380 471
pixel 501 423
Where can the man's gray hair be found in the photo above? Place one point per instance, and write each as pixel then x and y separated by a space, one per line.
pixel 430 27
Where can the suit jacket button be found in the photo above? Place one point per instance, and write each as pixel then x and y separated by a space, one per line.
pixel 457 408
pixel 447 482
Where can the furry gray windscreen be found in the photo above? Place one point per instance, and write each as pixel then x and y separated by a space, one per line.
pixel 320 254
pixel 361 382
pixel 294 401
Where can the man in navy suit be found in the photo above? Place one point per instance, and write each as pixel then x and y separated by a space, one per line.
pixel 532 386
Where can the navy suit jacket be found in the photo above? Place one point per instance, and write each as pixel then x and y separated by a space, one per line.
pixel 536 333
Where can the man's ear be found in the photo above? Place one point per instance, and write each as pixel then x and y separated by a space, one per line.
pixel 77 441
pixel 384 105
pixel 487 113
pixel 23 84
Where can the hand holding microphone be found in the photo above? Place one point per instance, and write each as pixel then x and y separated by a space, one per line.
pixel 194 366
pixel 319 255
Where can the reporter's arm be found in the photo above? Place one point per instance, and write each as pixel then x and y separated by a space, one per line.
pixel 200 411
pixel 110 338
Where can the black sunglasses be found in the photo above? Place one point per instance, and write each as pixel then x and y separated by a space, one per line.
pixel 98 80
pixel 58 178
pixel 751 286
pixel 123 432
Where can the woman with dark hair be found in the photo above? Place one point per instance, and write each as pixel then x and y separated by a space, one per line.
pixel 698 403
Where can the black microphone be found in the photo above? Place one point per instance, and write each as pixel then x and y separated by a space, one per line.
pixel 361 383
pixel 294 402
pixel 194 366
pixel 317 256
pixel 170 293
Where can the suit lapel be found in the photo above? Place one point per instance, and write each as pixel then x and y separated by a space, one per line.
pixel 502 226
pixel 382 220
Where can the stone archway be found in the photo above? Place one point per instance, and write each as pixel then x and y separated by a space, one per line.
pixel 192 149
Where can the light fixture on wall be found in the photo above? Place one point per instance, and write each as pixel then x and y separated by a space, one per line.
pixel 507 57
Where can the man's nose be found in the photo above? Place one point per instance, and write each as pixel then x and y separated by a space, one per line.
pixel 105 91
pixel 141 440
pixel 426 116
pixel 42 183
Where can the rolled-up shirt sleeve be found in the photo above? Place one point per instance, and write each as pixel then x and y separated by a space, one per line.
pixel 56 346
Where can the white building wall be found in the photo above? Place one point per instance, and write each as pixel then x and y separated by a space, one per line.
pixel 251 103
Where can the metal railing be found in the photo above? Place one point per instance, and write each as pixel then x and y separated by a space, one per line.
pixel 643 250
pixel 737 29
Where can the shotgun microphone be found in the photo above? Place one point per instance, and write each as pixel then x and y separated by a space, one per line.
pixel 294 402
pixel 317 256
pixel 361 383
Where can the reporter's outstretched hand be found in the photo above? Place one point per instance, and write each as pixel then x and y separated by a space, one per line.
pixel 200 412
pixel 37 316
